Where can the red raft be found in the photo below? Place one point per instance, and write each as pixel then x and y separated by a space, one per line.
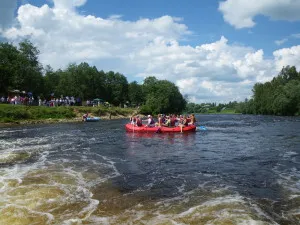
pixel 143 129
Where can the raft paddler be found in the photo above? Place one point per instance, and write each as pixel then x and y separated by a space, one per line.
pixel 138 121
pixel 150 121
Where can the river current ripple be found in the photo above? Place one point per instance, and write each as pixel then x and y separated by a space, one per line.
pixel 242 170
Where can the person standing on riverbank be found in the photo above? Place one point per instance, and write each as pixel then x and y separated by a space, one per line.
pixel 85 116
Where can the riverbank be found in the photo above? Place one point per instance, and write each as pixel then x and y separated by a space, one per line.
pixel 20 114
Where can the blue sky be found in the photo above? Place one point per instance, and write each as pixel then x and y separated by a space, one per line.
pixel 216 51
pixel 202 17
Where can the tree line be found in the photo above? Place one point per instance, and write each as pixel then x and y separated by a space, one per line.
pixel 20 69
pixel 281 96
pixel 212 107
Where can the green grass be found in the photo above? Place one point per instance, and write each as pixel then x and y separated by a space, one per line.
pixel 17 113
pixel 12 113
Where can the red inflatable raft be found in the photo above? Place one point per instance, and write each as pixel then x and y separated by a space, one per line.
pixel 129 127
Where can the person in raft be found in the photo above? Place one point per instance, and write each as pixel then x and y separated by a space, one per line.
pixel 192 120
pixel 173 120
pixel 150 121
pixel 133 120
pixel 159 120
pixel 179 120
pixel 167 121
pixel 138 121
pixel 183 123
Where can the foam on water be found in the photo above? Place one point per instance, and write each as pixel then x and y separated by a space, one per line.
pixel 203 205
pixel 17 155
pixel 231 209
pixel 74 174
pixel 46 191
pixel 289 180
pixel 49 190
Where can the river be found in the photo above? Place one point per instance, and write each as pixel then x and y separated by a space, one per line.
pixel 242 170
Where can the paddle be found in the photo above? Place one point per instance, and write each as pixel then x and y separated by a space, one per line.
pixel 202 127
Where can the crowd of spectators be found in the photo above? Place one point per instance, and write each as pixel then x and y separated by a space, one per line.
pixel 62 101
pixel 18 100
pixel 52 102
pixel 17 97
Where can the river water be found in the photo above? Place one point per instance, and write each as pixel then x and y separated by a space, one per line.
pixel 242 170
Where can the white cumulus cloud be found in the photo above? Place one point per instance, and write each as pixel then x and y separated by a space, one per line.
pixel 240 13
pixel 217 71
pixel 287 56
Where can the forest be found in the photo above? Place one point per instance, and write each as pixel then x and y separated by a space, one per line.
pixel 21 69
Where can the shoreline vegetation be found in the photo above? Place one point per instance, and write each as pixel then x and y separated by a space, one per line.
pixel 24 77
pixel 21 114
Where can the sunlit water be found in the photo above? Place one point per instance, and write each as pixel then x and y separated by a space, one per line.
pixel 241 170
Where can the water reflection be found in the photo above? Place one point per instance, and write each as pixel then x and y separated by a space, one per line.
pixel 187 139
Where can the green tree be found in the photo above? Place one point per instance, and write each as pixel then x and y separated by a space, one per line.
pixel 19 68
pixel 51 81
pixel 116 88
pixel 281 96
pixel 163 96
pixel 8 66
pixel 96 82
pixel 135 93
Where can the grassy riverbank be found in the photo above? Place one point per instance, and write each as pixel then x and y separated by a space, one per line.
pixel 40 114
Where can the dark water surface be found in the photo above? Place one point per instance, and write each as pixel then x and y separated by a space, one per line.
pixel 241 170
